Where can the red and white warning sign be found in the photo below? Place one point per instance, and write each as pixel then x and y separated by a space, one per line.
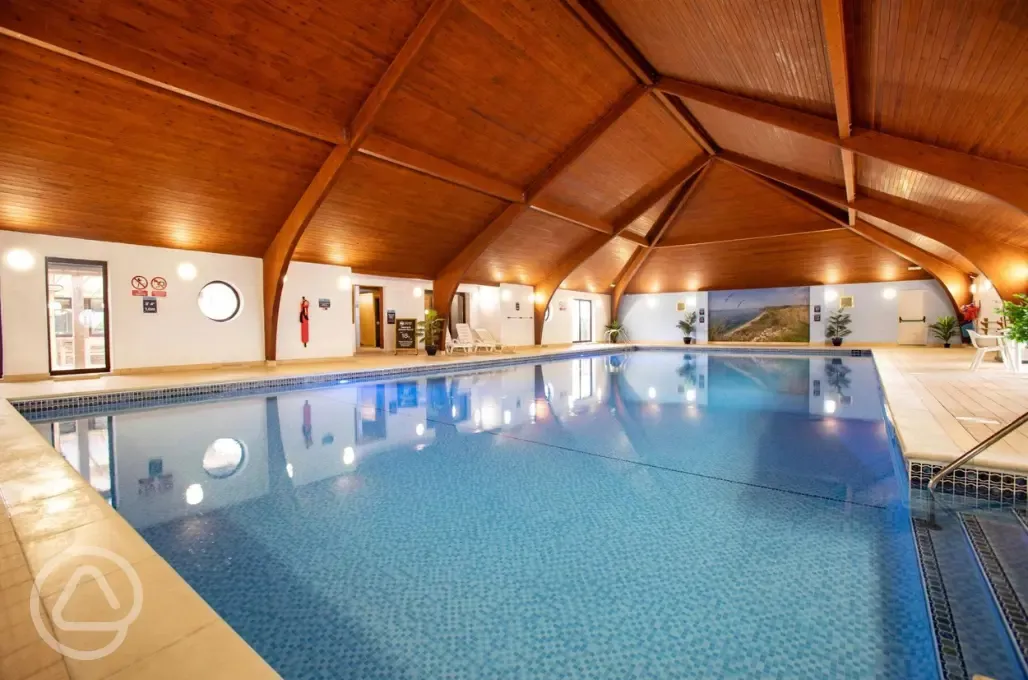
pixel 139 284
pixel 158 283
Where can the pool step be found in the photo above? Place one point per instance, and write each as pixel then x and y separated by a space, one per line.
pixel 971 637
pixel 1000 543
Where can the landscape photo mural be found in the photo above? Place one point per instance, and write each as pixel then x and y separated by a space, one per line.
pixel 762 315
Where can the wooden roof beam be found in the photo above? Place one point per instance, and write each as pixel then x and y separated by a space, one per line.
pixel 667 217
pixel 834 25
pixel 637 205
pixel 1002 180
pixel 955 282
pixel 446 281
pixel 322 135
pixel 280 252
pixel 777 188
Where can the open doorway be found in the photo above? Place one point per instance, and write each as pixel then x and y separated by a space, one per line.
pixel 583 330
pixel 458 312
pixel 369 318
pixel 77 322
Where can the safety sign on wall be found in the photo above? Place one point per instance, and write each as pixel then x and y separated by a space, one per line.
pixel 139 286
pixel 149 305
pixel 158 287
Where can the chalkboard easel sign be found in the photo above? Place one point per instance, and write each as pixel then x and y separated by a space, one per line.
pixel 406 336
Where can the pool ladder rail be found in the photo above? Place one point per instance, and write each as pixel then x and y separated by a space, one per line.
pixel 982 446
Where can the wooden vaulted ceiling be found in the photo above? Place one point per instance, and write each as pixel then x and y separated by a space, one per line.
pixel 547 142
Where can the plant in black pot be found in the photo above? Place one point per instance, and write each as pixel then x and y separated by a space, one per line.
pixel 688 326
pixel 430 330
pixel 944 329
pixel 838 327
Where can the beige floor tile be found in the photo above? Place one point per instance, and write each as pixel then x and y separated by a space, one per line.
pixel 171 610
pixel 113 534
pixel 59 513
pixel 214 652
pixel 36 485
pixel 28 661
pixel 58 671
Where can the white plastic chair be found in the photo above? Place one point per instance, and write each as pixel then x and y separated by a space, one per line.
pixel 494 345
pixel 986 344
pixel 466 337
pixel 461 343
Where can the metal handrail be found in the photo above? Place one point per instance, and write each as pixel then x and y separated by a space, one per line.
pixel 1010 427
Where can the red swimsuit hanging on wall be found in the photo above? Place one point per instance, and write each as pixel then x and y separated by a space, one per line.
pixel 305 319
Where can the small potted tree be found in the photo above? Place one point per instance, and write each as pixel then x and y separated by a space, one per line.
pixel 615 332
pixel 429 331
pixel 687 326
pixel 944 329
pixel 838 327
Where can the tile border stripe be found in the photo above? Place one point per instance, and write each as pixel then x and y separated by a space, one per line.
pixel 947 645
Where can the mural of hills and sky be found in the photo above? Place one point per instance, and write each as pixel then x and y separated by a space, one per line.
pixel 763 315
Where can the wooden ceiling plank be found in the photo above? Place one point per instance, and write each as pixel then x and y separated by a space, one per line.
pixel 1004 181
pixel 763 237
pixel 835 41
pixel 670 213
pixel 572 215
pixel 603 27
pixel 1003 264
pixel 776 187
pixel 362 123
pixel 280 252
pixel 634 238
pixel 389 150
pixel 313 134
pixel 584 142
pixel 849 171
pixel 823 190
pixel 953 281
pixel 688 121
pixel 638 205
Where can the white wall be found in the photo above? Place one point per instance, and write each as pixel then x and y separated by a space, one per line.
pixel 560 328
pixel 517 326
pixel 654 317
pixel 876 319
pixel 178 334
pixel 484 307
pixel 331 330
pixel 988 301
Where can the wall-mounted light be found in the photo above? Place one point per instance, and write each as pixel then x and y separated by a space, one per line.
pixel 285 278
pixel 187 271
pixel 690 301
pixel 651 301
pixel 507 417
pixel 418 292
pixel 986 285
pixel 506 295
pixel 194 494
pixel 20 260
pixel 830 406
pixel 889 293
pixel 344 282
pixel 831 295
pixel 539 298
pixel 349 455
pixel 419 429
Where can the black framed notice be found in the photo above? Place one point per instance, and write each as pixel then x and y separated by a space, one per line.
pixel 406 336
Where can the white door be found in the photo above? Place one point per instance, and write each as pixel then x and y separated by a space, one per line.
pixel 913 327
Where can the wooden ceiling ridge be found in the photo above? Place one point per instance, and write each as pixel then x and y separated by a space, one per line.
pixel 667 217
pixel 834 25
pixel 1004 181
pixel 1004 264
pixel 280 252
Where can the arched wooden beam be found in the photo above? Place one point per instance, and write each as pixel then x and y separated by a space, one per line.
pixel 280 252
pixel 955 282
pixel 444 287
pixel 545 289
pixel 1005 181
pixel 660 227
pixel 1005 265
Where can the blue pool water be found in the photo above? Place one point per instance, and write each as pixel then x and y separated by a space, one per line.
pixel 651 514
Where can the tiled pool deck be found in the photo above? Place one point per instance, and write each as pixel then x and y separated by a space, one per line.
pixel 938 408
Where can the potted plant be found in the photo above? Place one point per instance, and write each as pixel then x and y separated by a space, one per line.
pixel 615 331
pixel 1016 314
pixel 429 331
pixel 838 327
pixel 944 329
pixel 687 326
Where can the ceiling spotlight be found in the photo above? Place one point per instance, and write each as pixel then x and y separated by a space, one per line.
pixel 914 268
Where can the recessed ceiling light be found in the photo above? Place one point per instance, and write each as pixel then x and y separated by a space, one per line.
pixel 914 268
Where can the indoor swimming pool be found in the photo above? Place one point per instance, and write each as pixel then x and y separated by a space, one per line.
pixel 646 514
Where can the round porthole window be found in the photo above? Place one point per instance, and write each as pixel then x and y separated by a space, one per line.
pixel 224 458
pixel 219 301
